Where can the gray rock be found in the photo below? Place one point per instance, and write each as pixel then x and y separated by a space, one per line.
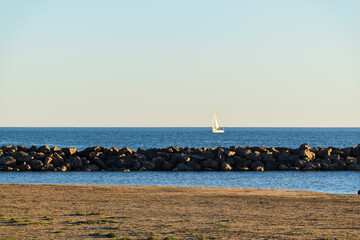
pixel 36 165
pixel 148 166
pixel 39 156
pixel 69 151
pixel 300 163
pixel 91 167
pixel 47 160
pixel 351 160
pixel 325 152
pixel 308 154
pixel 57 160
pixel 225 166
pixel 304 146
pixel 99 163
pixel 48 167
pixel 194 165
pixel 259 169
pixel 210 164
pixel 230 153
pixel 182 167
pixel 197 158
pixel 254 156
pixel 283 167
pixel 355 152
pixel 62 168
pixel 167 166
pixel 21 155
pixel 76 163
pixel 27 159
pixel 270 167
pixel 247 163
pixel 8 160
pixel 256 164
pixel 55 149
pixel 334 157
pixel 136 166
pixel 44 149
pixel 126 151
pixel 158 161
pixel 24 167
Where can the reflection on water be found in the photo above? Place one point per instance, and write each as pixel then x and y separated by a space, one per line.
pixel 340 182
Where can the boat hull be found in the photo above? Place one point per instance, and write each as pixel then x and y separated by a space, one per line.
pixel 218 131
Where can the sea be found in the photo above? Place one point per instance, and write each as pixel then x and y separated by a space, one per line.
pixel 338 182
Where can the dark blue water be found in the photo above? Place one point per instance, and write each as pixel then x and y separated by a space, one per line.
pixel 182 137
pixel 332 182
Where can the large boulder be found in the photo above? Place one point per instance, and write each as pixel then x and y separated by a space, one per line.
pixel 47 160
pixel 48 167
pixel 148 166
pixel 300 163
pixel 210 164
pixel 136 166
pixel 36 165
pixel 158 161
pixel 55 149
pixel 351 160
pixel 44 149
pixel 182 167
pixel 99 163
pixel 91 167
pixel 24 167
pixel 57 160
pixel 21 155
pixel 355 152
pixel 167 166
pixel 69 151
pixel 308 154
pixel 255 166
pixel 195 166
pixel 254 156
pixel 126 151
pixel 76 163
pixel 8 160
pixel 304 146
pixel 325 152
pixel 225 166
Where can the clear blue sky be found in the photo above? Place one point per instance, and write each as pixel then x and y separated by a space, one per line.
pixel 171 63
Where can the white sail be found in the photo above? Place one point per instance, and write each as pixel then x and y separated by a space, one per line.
pixel 215 125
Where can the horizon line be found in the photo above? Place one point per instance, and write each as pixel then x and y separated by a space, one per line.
pixel 176 127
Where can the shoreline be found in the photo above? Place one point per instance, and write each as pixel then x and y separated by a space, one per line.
pixel 304 158
pixel 138 212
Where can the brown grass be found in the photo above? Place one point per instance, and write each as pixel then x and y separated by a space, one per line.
pixel 138 212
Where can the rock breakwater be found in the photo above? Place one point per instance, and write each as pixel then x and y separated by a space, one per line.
pixel 304 158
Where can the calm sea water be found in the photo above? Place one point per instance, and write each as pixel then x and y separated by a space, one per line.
pixel 184 137
pixel 332 182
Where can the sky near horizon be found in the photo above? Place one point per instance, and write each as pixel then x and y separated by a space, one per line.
pixel 167 63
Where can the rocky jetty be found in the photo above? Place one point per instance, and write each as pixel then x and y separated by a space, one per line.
pixel 304 158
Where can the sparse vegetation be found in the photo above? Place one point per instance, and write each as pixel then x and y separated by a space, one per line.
pixel 125 238
pixel 95 213
pixel 111 235
pixel 48 218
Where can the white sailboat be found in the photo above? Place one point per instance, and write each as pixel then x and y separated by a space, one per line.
pixel 215 125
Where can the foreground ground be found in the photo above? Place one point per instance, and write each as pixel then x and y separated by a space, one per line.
pixel 138 212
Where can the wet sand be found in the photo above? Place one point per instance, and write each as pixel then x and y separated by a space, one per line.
pixel 140 212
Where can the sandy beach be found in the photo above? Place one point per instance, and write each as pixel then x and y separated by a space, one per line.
pixel 142 212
